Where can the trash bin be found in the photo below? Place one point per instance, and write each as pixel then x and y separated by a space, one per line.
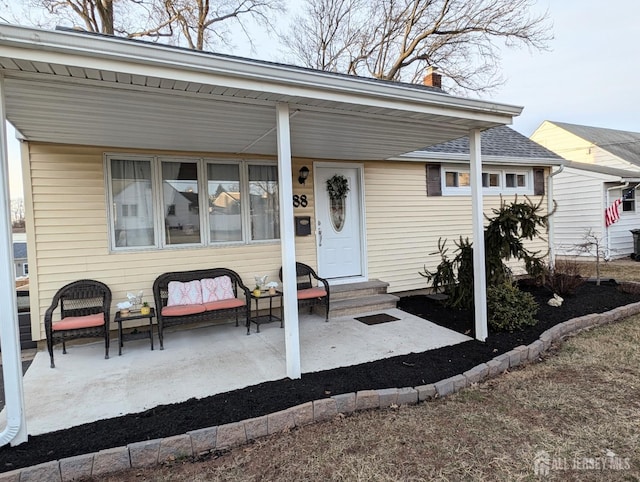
pixel 636 244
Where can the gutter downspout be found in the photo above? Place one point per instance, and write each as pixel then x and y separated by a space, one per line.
pixel 15 431
pixel 550 223
pixel 608 231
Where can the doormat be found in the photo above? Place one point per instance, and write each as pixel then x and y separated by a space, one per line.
pixel 377 319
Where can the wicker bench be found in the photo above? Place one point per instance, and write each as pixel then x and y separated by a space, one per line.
pixel 239 305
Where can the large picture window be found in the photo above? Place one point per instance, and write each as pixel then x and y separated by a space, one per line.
pixel 157 202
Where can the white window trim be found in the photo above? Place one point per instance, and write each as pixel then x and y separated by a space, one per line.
pixel 528 179
pixel 502 189
pixel 158 201
pixel 494 189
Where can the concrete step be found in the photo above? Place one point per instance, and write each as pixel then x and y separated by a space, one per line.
pixel 358 290
pixel 363 304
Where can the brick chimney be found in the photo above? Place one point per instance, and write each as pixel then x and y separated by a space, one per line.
pixel 433 78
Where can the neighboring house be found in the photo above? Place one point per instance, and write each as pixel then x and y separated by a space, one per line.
pixel 604 165
pixel 107 122
pixel 20 259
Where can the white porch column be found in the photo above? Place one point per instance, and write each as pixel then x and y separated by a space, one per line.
pixel 16 429
pixel 479 275
pixel 287 244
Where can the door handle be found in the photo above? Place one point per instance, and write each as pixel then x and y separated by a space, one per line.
pixel 320 237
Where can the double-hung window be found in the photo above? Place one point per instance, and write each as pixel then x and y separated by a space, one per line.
pixel 224 202
pixel 158 202
pixel 629 200
pixel 131 184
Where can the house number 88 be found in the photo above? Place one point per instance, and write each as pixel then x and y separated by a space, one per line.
pixel 300 201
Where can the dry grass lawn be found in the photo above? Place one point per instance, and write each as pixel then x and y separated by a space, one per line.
pixel 621 269
pixel 581 405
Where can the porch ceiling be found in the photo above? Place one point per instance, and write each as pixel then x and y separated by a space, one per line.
pixel 73 88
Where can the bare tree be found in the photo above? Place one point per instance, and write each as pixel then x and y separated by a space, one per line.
pixel 593 244
pixel 95 15
pixel 17 215
pixel 399 39
pixel 323 36
pixel 198 24
pixel 204 23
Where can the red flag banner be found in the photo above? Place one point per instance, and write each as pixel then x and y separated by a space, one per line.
pixel 612 213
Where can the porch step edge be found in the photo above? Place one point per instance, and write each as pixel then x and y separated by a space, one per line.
pixel 358 290
pixel 362 304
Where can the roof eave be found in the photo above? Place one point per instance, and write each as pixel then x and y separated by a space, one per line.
pixel 251 73
pixel 455 158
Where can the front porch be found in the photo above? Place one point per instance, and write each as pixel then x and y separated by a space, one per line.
pixel 196 363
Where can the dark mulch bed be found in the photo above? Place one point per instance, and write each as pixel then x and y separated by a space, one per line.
pixel 401 371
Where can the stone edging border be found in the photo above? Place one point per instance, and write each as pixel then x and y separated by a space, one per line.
pixel 207 440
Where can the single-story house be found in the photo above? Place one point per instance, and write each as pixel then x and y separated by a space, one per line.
pixel 128 146
pixel 20 262
pixel 603 166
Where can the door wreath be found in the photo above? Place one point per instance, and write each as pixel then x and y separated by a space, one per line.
pixel 337 187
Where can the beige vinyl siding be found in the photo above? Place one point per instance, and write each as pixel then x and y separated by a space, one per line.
pixel 404 225
pixel 68 211
pixel 305 245
pixel 563 143
pixel 577 149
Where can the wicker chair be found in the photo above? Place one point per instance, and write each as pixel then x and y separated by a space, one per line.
pixel 84 312
pixel 309 294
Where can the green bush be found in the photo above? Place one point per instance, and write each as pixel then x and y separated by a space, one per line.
pixel 509 309
pixel 505 235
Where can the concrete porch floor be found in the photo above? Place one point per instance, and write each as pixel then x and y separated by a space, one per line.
pixel 196 363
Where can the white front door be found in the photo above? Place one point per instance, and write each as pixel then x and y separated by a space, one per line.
pixel 339 224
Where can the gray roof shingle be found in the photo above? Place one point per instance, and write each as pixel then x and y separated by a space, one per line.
pixel 623 144
pixel 501 141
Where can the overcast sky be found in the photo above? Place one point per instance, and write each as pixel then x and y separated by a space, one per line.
pixel 587 77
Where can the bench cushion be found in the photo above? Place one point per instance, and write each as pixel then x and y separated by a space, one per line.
pixel 309 293
pixel 189 293
pixel 224 304
pixel 75 322
pixel 182 310
pixel 217 289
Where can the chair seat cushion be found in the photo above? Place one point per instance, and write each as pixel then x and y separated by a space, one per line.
pixel 75 322
pixel 224 304
pixel 309 293
pixel 182 310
